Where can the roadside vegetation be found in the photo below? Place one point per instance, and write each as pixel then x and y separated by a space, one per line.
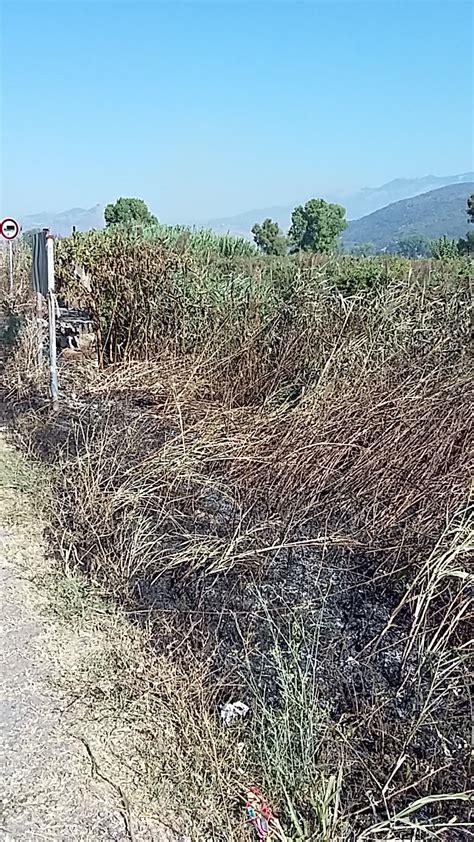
pixel 267 466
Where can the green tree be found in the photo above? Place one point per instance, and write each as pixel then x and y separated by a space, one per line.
pixel 269 238
pixel 470 208
pixel 466 246
pixel 128 212
pixel 413 245
pixel 444 248
pixel 316 226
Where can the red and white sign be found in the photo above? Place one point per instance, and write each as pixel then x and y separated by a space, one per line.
pixel 9 228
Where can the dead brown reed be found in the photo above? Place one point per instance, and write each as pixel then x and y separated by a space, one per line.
pixel 284 502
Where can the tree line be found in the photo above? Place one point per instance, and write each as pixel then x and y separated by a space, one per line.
pixel 315 226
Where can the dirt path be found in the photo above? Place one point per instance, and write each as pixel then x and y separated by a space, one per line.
pixel 53 787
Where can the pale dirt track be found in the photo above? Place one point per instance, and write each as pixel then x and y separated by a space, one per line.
pixel 51 787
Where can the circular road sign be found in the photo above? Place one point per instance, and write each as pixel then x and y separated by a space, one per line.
pixel 9 228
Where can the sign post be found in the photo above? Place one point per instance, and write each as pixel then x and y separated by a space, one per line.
pixel 42 281
pixel 39 329
pixel 9 229
pixel 53 368
pixel 10 267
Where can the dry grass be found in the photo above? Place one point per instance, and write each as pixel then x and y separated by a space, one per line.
pixel 23 374
pixel 21 273
pixel 340 624
pixel 288 523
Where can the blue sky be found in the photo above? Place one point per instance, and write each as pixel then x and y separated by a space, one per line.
pixel 210 108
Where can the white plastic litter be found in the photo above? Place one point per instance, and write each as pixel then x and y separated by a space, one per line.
pixel 233 710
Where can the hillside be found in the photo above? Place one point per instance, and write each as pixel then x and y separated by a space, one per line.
pixel 369 199
pixel 432 214
pixel 357 204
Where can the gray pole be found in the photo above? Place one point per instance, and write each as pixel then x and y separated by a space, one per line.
pixel 39 328
pixel 52 323
pixel 10 266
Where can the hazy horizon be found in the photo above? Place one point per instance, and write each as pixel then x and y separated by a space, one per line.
pixel 233 216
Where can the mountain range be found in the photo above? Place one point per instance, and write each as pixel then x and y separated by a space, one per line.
pixel 61 223
pixel 361 203
pixel 433 214
pixel 357 204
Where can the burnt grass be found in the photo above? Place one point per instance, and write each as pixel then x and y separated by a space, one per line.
pixel 337 607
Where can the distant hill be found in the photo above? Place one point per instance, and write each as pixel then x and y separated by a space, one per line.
pixel 370 199
pixel 431 214
pixel 61 223
pixel 357 204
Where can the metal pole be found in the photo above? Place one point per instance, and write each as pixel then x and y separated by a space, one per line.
pixel 10 266
pixel 39 328
pixel 52 323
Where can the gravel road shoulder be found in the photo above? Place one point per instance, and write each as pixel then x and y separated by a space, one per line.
pixel 59 782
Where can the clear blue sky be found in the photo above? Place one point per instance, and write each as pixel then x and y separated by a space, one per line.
pixel 210 108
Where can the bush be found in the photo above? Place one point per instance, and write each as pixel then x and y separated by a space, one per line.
pixel 274 321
